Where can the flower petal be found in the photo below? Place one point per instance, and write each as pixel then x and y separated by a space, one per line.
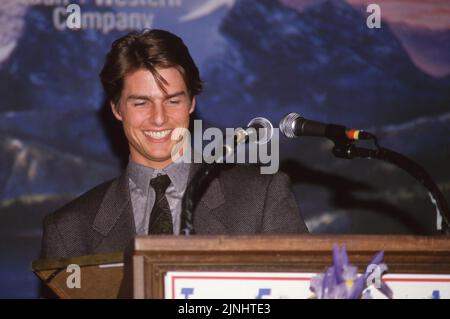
pixel 386 290
pixel 358 286
pixel 378 258
pixel 338 263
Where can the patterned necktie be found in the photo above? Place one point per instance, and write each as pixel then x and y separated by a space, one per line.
pixel 160 217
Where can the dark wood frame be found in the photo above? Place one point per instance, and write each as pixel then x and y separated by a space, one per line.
pixel 154 256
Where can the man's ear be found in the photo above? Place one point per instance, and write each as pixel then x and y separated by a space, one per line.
pixel 116 111
pixel 192 106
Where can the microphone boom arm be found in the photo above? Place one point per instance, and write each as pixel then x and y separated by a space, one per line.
pixel 347 149
pixel 208 172
pixel 198 185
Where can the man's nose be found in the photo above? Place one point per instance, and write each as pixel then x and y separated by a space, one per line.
pixel 159 115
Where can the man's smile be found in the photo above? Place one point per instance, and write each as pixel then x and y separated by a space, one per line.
pixel 158 136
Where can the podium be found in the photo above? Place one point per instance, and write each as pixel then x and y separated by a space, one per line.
pixel 140 272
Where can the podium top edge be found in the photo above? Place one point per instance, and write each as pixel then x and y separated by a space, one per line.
pixel 99 259
pixel 156 244
pixel 311 243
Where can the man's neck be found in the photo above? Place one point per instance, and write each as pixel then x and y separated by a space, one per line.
pixel 152 164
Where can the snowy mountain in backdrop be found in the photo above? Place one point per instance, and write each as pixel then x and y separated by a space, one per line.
pixel 53 70
pixel 53 93
pixel 323 62
pixel 430 49
pixel 30 168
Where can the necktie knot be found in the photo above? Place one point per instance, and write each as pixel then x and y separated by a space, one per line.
pixel 160 184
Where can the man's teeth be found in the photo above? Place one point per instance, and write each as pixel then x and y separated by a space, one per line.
pixel 157 134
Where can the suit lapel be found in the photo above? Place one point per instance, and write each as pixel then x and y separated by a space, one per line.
pixel 114 220
pixel 213 196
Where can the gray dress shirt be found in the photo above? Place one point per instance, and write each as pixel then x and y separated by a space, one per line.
pixel 143 195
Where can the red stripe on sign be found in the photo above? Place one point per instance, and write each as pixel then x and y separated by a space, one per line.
pixel 416 280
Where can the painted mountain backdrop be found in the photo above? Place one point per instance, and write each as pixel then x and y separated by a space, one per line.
pixel 257 58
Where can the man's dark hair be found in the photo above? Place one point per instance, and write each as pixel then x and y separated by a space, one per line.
pixel 149 49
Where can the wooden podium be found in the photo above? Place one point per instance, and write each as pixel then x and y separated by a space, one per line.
pixel 140 273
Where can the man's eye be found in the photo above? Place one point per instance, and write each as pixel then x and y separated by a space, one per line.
pixel 174 101
pixel 138 103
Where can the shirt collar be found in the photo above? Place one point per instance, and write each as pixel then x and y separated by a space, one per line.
pixel 141 175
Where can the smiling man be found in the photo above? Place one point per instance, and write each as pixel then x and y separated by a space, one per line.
pixel 150 115
pixel 152 82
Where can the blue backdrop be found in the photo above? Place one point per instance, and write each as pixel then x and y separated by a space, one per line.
pixel 258 58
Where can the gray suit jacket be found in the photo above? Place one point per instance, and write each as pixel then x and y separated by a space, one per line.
pixel 240 201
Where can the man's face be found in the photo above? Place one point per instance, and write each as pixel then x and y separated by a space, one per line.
pixel 149 115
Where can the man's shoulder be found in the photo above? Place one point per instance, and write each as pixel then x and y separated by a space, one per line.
pixel 249 173
pixel 81 207
pixel 244 178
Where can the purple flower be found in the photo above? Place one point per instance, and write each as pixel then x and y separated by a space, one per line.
pixel 341 281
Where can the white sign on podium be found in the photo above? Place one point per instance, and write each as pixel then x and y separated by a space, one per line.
pixel 258 285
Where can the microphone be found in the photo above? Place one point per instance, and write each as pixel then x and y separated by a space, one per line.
pixel 259 130
pixel 293 125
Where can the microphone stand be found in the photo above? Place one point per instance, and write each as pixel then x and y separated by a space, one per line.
pixel 198 186
pixel 208 172
pixel 344 148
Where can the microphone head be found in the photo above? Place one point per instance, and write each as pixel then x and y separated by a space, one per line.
pixel 267 129
pixel 287 124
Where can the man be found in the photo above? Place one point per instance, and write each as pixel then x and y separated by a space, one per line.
pixel 152 82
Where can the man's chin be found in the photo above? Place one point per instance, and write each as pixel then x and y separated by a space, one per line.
pixel 160 158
